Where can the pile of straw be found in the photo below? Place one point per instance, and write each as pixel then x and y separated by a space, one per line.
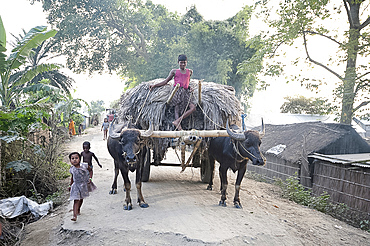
pixel 218 103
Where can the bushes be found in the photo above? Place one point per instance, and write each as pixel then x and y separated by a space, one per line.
pixel 33 170
pixel 294 191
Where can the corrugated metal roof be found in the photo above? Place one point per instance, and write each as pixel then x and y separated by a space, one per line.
pixel 359 160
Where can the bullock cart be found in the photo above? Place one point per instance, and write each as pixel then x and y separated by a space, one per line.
pixel 150 110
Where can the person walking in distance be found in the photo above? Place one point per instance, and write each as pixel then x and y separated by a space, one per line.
pixel 104 128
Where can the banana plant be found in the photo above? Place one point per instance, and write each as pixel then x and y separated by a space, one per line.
pixel 67 107
pixel 12 87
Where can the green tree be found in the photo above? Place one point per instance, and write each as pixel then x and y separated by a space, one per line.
pixel 12 84
pixel 96 107
pixel 304 105
pixel 37 56
pixel 56 77
pixel 302 19
pixel 124 36
pixel 115 104
pixel 217 48
pixel 68 107
pixel 142 41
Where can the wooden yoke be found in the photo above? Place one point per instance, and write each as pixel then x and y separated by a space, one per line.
pixel 198 133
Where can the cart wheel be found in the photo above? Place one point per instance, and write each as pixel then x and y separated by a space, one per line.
pixel 146 168
pixel 205 169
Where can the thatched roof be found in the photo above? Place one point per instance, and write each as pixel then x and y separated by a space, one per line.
pixel 325 138
pixel 218 103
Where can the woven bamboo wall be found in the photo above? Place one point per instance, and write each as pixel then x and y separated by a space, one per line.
pixel 275 168
pixel 344 184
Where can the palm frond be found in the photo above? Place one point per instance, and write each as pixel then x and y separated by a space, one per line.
pixel 32 73
pixel 31 40
pixel 57 79
pixel 40 87
pixel 40 105
pixel 2 33
pixel 2 48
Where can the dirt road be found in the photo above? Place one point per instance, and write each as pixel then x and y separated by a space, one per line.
pixel 181 211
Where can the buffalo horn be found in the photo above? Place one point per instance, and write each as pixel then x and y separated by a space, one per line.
pixel 147 133
pixel 115 133
pixel 234 135
pixel 262 132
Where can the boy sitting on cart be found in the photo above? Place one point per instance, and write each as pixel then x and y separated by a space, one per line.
pixel 182 97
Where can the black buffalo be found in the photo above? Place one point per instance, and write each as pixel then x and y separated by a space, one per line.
pixel 128 150
pixel 234 152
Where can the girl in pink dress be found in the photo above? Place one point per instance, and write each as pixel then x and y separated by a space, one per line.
pixel 81 183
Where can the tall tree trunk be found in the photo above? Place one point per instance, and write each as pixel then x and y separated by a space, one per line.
pixel 350 74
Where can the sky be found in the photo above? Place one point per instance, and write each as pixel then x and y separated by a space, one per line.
pixel 18 14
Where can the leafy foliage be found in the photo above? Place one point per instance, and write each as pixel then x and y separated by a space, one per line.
pixel 142 41
pixel 217 47
pixel 12 85
pixel 33 167
pixel 294 191
pixel 68 107
pixel 20 120
pixel 19 166
pixel 28 150
pixel 96 107
pixel 301 20
pixel 303 105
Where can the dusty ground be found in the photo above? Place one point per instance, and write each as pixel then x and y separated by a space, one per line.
pixel 181 211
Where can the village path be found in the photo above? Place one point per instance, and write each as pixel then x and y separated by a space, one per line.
pixel 181 211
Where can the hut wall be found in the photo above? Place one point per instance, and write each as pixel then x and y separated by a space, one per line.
pixel 345 184
pixel 40 136
pixel 275 168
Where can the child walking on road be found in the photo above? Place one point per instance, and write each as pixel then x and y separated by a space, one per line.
pixel 87 156
pixel 105 127
pixel 80 184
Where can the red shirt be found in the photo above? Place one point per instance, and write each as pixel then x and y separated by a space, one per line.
pixel 110 117
pixel 182 79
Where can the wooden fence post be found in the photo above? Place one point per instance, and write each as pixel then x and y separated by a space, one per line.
pixel 305 176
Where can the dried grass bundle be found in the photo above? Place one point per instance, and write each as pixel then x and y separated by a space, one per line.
pixel 218 105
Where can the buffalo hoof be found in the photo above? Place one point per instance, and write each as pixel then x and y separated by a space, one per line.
pixel 144 205
pixel 113 192
pixel 222 203
pixel 127 207
pixel 237 205
pixel 209 187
